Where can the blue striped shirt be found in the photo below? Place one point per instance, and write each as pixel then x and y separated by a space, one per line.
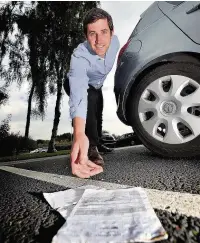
pixel 87 68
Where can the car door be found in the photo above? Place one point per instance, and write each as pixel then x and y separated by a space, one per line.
pixel 186 15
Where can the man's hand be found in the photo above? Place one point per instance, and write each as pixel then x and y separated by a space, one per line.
pixel 81 166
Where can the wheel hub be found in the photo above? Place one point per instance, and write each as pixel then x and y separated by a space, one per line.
pixel 168 108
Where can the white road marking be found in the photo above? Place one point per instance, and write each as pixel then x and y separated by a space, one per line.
pixel 182 203
pixel 14 162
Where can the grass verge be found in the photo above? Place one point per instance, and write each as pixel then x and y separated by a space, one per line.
pixel 33 156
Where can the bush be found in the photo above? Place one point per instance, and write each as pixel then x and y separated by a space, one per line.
pixel 5 127
pixel 13 143
pixel 26 144
pixel 63 147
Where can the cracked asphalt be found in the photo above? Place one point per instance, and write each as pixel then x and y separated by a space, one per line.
pixel 26 217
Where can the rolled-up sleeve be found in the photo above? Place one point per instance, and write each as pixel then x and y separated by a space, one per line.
pixel 78 82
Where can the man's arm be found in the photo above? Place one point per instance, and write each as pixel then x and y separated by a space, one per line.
pixel 79 126
pixel 78 82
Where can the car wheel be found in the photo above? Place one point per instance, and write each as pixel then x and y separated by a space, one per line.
pixel 164 110
pixel 132 143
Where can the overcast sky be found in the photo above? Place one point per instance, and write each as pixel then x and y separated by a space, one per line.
pixel 125 16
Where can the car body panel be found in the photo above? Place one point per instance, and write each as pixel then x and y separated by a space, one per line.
pixel 160 43
pixel 108 140
pixel 39 150
pixel 128 139
pixel 183 18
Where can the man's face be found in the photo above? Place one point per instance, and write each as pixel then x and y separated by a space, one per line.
pixel 99 36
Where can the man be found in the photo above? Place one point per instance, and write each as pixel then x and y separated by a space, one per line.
pixel 90 63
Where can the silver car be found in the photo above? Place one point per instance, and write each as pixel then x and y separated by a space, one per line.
pixel 157 80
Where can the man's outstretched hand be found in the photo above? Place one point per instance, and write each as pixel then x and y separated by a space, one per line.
pixel 80 164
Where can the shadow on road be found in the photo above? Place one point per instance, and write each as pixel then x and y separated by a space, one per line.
pixel 47 232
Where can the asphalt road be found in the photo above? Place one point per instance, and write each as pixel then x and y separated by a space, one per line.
pixel 173 187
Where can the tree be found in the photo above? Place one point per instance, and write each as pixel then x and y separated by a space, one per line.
pixel 5 127
pixel 11 47
pixel 23 62
pixel 34 35
pixel 52 30
pixel 3 96
pixel 64 136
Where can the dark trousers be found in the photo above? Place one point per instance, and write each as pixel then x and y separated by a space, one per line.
pixel 93 128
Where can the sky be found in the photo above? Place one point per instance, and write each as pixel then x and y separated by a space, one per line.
pixel 125 17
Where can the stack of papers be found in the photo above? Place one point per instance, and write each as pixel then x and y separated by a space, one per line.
pixel 101 215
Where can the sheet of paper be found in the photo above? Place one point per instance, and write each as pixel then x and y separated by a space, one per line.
pixel 122 215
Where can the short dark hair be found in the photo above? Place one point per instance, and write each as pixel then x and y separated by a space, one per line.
pixel 95 14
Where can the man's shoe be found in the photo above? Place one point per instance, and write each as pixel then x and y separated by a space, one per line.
pixel 94 156
pixel 103 149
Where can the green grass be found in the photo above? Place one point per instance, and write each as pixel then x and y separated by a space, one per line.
pixel 33 156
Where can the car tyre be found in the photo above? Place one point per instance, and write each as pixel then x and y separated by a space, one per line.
pixel 184 149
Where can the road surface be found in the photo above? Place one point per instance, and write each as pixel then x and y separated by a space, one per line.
pixel 173 187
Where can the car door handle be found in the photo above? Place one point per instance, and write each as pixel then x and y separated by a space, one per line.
pixel 193 9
